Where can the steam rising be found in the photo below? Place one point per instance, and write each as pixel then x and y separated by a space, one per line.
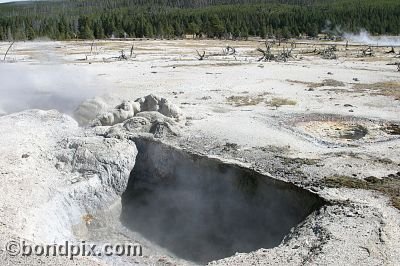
pixel 365 37
pixel 53 86
pixel 362 37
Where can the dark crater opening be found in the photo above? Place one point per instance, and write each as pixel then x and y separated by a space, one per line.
pixel 201 209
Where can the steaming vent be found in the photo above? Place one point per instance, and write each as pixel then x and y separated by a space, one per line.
pixel 201 210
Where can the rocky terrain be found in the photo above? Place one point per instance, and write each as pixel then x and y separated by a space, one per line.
pixel 328 127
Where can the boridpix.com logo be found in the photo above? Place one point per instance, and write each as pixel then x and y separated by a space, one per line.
pixel 83 249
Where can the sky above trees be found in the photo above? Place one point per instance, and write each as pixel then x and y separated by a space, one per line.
pixel 8 1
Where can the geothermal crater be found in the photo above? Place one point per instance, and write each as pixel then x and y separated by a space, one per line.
pixel 200 209
pixel 341 130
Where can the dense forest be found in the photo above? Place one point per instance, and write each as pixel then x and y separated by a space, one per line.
pixel 88 19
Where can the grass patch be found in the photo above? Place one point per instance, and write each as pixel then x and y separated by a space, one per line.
pixel 324 83
pixel 278 102
pixel 392 129
pixel 328 83
pixel 246 100
pixel 387 88
pixel 388 186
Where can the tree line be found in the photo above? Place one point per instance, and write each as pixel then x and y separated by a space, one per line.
pixel 89 19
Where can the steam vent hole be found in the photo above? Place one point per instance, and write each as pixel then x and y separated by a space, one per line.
pixel 200 209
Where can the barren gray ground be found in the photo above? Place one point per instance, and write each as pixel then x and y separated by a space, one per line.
pixel 323 125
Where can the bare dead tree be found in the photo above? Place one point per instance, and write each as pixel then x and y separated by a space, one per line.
pixel 266 54
pixel 132 50
pixel 285 54
pixel 5 55
pixel 397 64
pixel 391 51
pixel 122 56
pixel 309 51
pixel 201 56
pixel 316 50
pixel 91 47
pixel 329 52
pixel 229 50
pixel 367 52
